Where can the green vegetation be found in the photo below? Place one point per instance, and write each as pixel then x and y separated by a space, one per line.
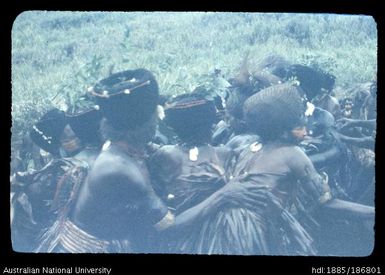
pixel 57 55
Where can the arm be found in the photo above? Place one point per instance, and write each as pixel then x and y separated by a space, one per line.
pixel 349 123
pixel 350 209
pixel 190 216
pixel 316 186
pixel 233 194
pixel 320 158
pixel 367 142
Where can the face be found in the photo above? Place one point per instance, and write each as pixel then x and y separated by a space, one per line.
pixel 299 133
pixel 69 141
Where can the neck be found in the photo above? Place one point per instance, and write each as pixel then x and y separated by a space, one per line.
pixel 194 143
pixel 133 150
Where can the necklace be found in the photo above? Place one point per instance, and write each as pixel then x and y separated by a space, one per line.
pixel 193 150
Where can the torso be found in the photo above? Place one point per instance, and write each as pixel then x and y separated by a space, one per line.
pixel 187 182
pixel 269 169
pixel 117 201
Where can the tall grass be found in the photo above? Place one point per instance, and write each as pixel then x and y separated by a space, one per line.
pixel 57 55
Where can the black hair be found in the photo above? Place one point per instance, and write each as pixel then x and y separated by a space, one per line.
pixel 127 99
pixel 274 110
pixel 311 80
pixel 47 131
pixel 84 118
pixel 191 116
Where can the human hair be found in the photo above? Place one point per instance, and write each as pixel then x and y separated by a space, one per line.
pixel 192 117
pixel 127 99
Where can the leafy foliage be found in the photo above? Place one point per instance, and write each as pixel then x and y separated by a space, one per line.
pixel 57 55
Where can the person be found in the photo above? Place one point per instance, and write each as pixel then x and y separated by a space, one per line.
pixel 364 124
pixel 231 130
pixel 358 93
pixel 335 158
pixel 368 109
pixel 232 123
pixel 236 228
pixel 363 157
pixel 347 107
pixel 315 83
pixel 117 201
pixel 81 144
pixel 359 133
pixel 280 167
pixel 366 141
pixel 32 191
pixel 72 139
pixel 117 210
pixel 327 152
pixel 193 170
pixel 189 172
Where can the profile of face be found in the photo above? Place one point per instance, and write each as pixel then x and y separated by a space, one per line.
pixel 299 133
pixel 70 143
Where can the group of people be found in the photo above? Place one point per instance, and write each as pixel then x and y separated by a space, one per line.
pixel 264 170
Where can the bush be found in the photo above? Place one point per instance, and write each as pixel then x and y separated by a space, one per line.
pixel 57 55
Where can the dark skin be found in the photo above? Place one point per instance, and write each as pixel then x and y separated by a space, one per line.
pixel 324 139
pixel 369 107
pixel 38 191
pixel 239 141
pixel 345 123
pixel 176 169
pixel 117 197
pixel 367 142
pixel 331 154
pixel 320 159
pixel 119 202
pixel 277 167
pixel 282 169
pixel 126 185
pixel 171 161
pixel 329 103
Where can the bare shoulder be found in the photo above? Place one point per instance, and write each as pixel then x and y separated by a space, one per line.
pixel 116 169
pixel 291 151
pixel 167 150
pixel 166 154
pixel 294 156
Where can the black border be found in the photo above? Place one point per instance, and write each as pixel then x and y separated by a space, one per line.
pixel 125 264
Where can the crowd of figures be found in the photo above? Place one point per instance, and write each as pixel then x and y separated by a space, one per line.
pixel 276 165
